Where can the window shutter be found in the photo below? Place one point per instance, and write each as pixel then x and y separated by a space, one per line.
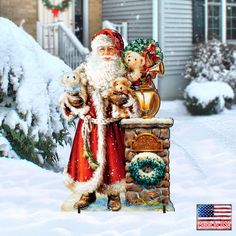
pixel 198 21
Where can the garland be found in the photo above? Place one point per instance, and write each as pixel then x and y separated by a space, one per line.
pixel 55 8
pixel 147 160
pixel 145 46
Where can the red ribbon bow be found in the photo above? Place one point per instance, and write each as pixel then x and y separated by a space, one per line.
pixel 55 12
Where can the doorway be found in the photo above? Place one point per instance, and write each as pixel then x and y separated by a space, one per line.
pixel 79 20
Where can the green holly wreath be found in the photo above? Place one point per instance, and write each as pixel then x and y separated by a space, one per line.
pixel 55 8
pixel 147 168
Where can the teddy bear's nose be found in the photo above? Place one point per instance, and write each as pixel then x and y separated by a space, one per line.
pixel 129 60
pixel 120 88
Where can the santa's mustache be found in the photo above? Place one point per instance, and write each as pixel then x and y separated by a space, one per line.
pixel 108 56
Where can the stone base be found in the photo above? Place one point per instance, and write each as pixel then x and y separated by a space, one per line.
pixel 153 132
pixel 160 207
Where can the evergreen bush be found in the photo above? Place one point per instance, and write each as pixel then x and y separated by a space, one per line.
pixel 31 125
pixel 211 62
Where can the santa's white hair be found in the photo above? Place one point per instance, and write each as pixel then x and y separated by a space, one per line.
pixel 101 72
pixel 101 40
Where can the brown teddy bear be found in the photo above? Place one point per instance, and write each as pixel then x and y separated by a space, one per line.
pixel 135 63
pixel 120 89
pixel 75 92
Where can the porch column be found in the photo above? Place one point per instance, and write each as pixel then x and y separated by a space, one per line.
pixel 206 20
pixel 223 21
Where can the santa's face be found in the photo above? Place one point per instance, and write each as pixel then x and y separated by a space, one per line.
pixel 103 66
pixel 107 52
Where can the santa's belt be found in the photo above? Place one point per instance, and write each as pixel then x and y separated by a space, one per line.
pixel 99 121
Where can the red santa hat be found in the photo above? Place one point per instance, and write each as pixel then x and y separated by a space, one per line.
pixel 108 37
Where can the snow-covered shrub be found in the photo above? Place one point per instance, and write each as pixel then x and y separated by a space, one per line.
pixel 210 62
pixel 30 118
pixel 206 98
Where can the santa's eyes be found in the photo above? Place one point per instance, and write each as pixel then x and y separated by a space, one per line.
pixel 109 49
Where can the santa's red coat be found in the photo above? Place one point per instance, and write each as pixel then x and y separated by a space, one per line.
pixel 112 171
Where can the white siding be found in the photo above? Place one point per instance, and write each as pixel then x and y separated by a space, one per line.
pixel 177 45
pixel 138 14
pixel 174 27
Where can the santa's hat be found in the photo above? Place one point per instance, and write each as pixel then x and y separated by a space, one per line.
pixel 108 37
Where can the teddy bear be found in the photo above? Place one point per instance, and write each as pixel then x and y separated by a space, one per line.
pixel 120 87
pixel 75 92
pixel 135 63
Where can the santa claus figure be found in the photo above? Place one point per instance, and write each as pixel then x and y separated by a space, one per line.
pixel 96 161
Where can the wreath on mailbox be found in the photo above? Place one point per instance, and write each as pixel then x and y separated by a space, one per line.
pixel 147 168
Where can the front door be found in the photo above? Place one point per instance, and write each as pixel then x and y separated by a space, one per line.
pixel 79 19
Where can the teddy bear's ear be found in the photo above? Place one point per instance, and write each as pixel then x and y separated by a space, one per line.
pixel 142 60
pixel 128 83
pixel 113 83
pixel 62 79
pixel 127 53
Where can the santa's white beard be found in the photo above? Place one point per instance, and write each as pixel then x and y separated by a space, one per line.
pixel 101 72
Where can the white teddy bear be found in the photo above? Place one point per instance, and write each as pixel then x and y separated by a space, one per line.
pixel 74 97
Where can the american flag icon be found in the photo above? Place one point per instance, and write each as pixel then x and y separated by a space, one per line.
pixel 214 216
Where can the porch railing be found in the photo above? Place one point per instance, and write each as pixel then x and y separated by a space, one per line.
pixel 122 28
pixel 58 40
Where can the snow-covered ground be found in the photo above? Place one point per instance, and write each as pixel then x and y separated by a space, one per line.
pixel 203 170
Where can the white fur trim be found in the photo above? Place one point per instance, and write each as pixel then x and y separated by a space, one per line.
pixel 102 40
pixel 132 102
pixel 97 178
pixel 74 111
pixel 82 111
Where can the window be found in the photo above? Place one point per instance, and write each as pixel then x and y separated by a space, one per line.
pixel 214 19
pixel 198 21
pixel 220 23
pixel 231 19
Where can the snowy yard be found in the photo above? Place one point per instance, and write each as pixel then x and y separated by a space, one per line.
pixel 203 167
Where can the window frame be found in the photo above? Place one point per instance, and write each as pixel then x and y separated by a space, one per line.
pixel 223 19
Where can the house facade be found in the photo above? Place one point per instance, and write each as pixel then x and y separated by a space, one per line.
pixel 176 24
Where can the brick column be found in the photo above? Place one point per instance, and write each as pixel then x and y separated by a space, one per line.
pixel 17 10
pixel 148 135
pixel 95 17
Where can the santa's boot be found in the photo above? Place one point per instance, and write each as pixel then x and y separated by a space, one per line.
pixel 85 200
pixel 114 203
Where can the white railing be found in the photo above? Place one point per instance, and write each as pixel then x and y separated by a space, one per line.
pixel 58 40
pixel 122 28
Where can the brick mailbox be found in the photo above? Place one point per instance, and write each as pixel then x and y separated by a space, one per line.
pixel 147 143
